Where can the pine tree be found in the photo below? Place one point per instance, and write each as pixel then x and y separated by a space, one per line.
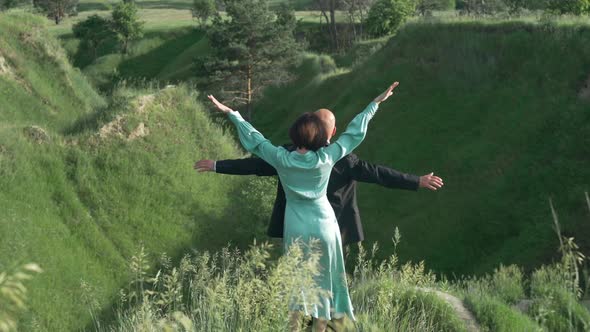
pixel 252 50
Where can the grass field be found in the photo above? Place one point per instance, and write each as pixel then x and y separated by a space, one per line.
pixel 82 188
pixel 494 109
pixel 491 106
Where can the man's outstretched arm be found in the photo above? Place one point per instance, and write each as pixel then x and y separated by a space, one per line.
pixel 246 166
pixel 363 171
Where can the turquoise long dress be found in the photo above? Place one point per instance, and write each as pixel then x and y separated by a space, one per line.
pixel 308 214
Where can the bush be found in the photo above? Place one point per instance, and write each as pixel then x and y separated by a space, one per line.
pixel 554 305
pixel 92 32
pixel 425 7
pixel 575 7
pixel 7 4
pixel 224 291
pixel 126 24
pixel 480 7
pixel 515 6
pixel 386 16
pixel 506 283
pixel 496 315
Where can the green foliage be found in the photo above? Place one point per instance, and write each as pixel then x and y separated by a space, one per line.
pixel 495 315
pixel 57 9
pixel 555 306
pixel 575 7
pixel 426 7
pixel 490 222
pixel 87 198
pixel 507 284
pixel 126 24
pixel 252 50
pixel 261 192
pixel 515 6
pixel 13 294
pixel 8 4
pixel 480 7
pixel 225 291
pixel 203 9
pixel 386 16
pixel 231 291
pixel 93 32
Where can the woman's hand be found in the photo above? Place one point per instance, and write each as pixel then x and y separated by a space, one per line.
pixel 383 97
pixel 219 105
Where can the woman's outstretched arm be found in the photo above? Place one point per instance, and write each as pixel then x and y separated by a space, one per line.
pixel 251 139
pixel 357 128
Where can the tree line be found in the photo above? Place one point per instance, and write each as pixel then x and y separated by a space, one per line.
pixel 254 45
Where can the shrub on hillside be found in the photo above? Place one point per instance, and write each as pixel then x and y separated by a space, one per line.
pixel 203 9
pixel 7 4
pixel 126 24
pixel 575 7
pixel 554 305
pixel 222 291
pixel 386 16
pixel 515 6
pixel 426 7
pixel 496 315
pixel 480 7
pixel 93 32
pixel 57 9
pixel 507 283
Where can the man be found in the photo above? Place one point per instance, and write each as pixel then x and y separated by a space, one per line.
pixel 341 188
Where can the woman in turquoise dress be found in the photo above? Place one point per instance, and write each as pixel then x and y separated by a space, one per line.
pixel 304 174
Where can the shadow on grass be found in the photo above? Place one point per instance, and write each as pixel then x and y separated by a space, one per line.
pixel 150 64
pixel 90 122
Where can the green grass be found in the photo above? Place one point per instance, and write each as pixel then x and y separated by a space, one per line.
pixel 80 204
pixel 90 5
pixel 494 315
pixel 230 291
pixel 490 107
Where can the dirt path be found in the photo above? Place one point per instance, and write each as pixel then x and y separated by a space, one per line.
pixel 457 304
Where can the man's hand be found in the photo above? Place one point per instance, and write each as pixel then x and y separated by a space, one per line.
pixel 430 181
pixel 205 165
pixel 218 105
pixel 382 97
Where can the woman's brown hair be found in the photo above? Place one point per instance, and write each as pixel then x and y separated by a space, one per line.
pixel 308 132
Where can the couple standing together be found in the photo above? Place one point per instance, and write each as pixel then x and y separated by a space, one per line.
pixel 317 179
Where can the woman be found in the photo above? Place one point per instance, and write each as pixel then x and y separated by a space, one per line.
pixel 304 174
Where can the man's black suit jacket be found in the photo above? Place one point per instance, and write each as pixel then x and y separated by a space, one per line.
pixel 341 189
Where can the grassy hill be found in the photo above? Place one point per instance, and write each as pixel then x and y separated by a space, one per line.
pixel 87 181
pixel 495 108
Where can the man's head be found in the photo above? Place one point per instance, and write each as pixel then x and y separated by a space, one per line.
pixel 328 120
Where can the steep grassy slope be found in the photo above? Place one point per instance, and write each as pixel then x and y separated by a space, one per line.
pixel 97 181
pixel 36 81
pixel 492 108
